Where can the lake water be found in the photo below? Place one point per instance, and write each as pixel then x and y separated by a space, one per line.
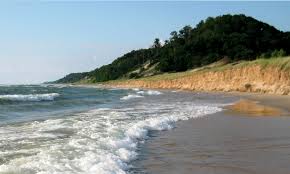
pixel 58 129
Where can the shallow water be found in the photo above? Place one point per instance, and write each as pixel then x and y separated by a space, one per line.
pixel 222 143
pixel 55 129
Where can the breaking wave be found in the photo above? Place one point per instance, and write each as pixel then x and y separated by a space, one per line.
pixel 150 92
pixel 30 97
pixel 102 141
pixel 131 96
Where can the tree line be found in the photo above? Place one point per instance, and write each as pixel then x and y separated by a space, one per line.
pixel 237 37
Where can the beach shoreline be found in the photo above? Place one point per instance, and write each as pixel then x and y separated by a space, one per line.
pixel 184 151
pixel 268 99
pixel 223 143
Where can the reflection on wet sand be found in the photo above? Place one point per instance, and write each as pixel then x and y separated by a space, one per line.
pixel 239 140
pixel 253 108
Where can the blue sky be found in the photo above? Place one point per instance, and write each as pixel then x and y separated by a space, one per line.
pixel 43 41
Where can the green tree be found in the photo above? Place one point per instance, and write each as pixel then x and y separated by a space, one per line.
pixel 156 43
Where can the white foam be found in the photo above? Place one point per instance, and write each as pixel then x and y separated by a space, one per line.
pixel 136 89
pixel 150 92
pixel 101 141
pixel 131 96
pixel 30 97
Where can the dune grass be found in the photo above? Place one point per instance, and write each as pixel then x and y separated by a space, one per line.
pixel 282 63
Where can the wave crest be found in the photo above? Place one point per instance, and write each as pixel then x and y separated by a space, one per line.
pixel 131 96
pixel 30 97
pixel 150 92
pixel 102 141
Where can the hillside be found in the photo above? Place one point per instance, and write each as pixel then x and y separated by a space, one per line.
pixel 235 37
pixel 262 76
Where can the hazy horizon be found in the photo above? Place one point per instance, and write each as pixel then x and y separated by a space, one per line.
pixel 43 41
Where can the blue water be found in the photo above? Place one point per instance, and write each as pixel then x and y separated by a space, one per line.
pixel 69 100
pixel 58 129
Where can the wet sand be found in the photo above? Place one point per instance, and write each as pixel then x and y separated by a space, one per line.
pixel 254 108
pixel 239 141
pixel 277 101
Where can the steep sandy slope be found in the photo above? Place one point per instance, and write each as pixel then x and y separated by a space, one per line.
pixel 263 76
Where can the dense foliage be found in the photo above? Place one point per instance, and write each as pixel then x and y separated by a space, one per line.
pixel 72 78
pixel 237 37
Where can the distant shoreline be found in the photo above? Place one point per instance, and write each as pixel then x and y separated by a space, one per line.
pixel 266 76
pixel 275 104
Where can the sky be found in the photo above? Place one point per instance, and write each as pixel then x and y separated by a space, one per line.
pixel 45 40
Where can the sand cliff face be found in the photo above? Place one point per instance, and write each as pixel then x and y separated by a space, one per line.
pixel 244 79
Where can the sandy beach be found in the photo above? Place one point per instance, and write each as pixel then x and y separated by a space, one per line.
pixel 242 139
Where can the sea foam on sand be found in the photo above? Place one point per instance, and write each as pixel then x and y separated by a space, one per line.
pixel 101 141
